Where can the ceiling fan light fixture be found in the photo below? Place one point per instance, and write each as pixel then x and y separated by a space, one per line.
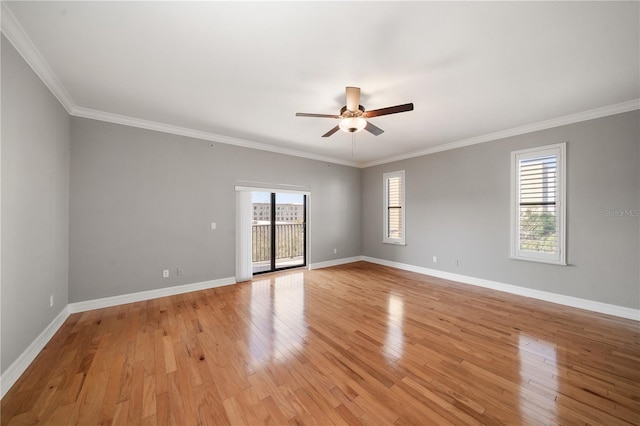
pixel 352 124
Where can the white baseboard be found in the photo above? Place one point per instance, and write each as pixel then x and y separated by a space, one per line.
pixel 15 370
pixel 575 302
pixel 335 262
pixel 19 366
pixel 107 302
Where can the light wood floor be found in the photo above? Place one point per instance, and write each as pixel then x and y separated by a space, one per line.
pixel 354 344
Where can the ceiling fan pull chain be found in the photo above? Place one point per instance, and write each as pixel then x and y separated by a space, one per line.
pixel 353 143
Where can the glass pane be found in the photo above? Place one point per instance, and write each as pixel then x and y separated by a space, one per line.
pixel 289 230
pixel 395 223
pixel 395 192
pixel 538 226
pixel 261 231
pixel 538 180
pixel 538 219
pixel 394 208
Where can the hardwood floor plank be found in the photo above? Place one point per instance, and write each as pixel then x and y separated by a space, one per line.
pixel 234 411
pixel 177 412
pixel 136 397
pixel 210 408
pixel 346 402
pixel 149 397
pixel 112 389
pixel 87 408
pixel 162 409
pixel 121 414
pixel 59 416
pixel 276 416
pixel 169 356
pixel 354 344
pixel 348 416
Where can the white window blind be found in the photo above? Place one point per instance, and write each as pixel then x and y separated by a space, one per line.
pixel 538 204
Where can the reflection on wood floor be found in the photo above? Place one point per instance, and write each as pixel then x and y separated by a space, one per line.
pixel 353 344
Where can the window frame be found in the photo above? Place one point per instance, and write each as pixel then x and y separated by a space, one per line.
pixel 403 207
pixel 559 258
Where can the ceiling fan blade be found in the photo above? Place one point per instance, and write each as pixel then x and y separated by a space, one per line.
pixel 375 130
pixel 353 98
pixel 389 110
pixel 330 132
pixel 304 114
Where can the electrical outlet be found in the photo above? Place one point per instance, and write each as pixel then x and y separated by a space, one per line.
pixel 51 301
pixel 165 273
pixel 435 259
pixel 335 250
pixel 213 225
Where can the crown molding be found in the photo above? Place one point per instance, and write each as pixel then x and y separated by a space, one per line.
pixel 16 35
pixel 25 47
pixel 198 134
pixel 541 125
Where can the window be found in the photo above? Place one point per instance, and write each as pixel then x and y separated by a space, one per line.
pixel 394 223
pixel 538 204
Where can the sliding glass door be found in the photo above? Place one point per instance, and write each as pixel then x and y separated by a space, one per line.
pixel 278 231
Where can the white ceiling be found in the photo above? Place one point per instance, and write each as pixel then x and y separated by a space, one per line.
pixel 238 72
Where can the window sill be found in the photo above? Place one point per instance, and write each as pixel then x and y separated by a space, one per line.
pixel 548 262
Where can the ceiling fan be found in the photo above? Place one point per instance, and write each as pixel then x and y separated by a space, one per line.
pixel 354 117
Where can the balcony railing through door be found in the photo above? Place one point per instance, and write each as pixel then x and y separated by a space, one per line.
pixel 289 241
pixel 278 232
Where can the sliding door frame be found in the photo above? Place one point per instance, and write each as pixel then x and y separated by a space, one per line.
pixel 243 226
pixel 274 242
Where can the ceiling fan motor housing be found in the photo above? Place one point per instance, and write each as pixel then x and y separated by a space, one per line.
pixel 345 113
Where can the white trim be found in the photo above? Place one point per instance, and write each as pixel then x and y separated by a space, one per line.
pixel 270 189
pixel 574 302
pixel 559 151
pixel 591 114
pixel 335 262
pixel 199 134
pixel 19 366
pixel 277 188
pixel 385 218
pixel 25 47
pixel 23 44
pixel 107 302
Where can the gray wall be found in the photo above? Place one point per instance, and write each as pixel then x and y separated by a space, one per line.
pixel 143 201
pixel 458 208
pixel 35 206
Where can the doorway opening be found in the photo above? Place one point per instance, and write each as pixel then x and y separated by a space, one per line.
pixel 278 231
